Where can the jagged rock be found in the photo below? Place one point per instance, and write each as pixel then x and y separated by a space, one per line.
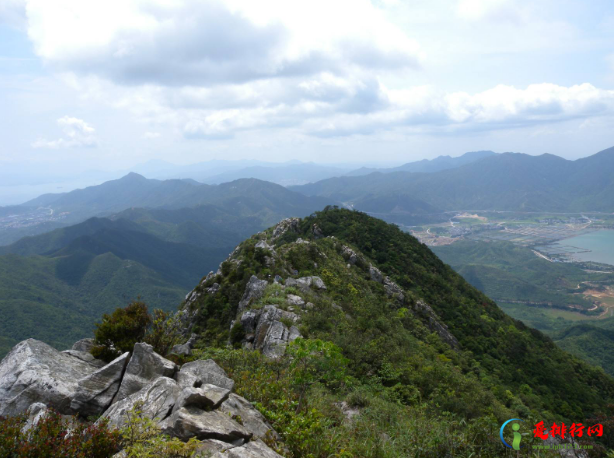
pixel 209 447
pixel 214 288
pixel 265 246
pixel 201 372
pixel 35 372
pixel 249 320
pixel 239 407
pixel 145 366
pixel 96 391
pixel 306 283
pixel 158 399
pixel 253 449
pixel 309 305
pixel 272 336
pixel 206 397
pixel 85 357
pixel 288 224
pixel 84 345
pixel 349 255
pixel 394 290
pixel 36 412
pixel 188 422
pixel 186 348
pixel 254 290
pixel 375 274
pixel 435 324
pixel 317 232
pixel 295 300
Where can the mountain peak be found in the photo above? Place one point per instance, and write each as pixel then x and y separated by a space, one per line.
pixel 133 176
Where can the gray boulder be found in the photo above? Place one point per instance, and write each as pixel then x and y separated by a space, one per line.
pixel 186 348
pixel 237 406
pixel 188 422
pixel 145 366
pixel 207 397
pixel 95 392
pixel 249 320
pixel 209 447
pixel 34 372
pixel 84 345
pixel 375 274
pixel 288 224
pixel 295 300
pixel 253 449
pixel 306 284
pixel 86 357
pixel 254 290
pixel 272 335
pixel 202 372
pixel 158 399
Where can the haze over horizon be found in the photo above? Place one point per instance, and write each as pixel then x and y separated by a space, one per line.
pixel 108 86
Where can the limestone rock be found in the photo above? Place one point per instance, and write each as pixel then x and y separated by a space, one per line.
pixel 349 255
pixel 272 335
pixel 85 345
pixel 145 366
pixel 158 399
pixel 288 224
pixel 186 348
pixel 239 407
pixel 35 372
pixel 294 300
pixel 394 290
pixel 96 391
pixel 375 274
pixel 207 397
pixel 202 372
pixel 306 283
pixel 254 290
pixel 435 324
pixel 189 422
pixel 209 447
pixel 86 357
pixel 249 320
pixel 253 449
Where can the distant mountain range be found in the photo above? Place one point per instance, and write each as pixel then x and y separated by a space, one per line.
pixel 428 165
pixel 55 284
pixel 509 181
pixel 269 202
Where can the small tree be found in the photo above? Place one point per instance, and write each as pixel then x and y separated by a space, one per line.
pixel 118 332
pixel 165 332
pixel 314 361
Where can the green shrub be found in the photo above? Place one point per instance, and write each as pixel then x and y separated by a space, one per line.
pixel 142 438
pixel 165 332
pixel 237 333
pixel 119 331
pixel 56 437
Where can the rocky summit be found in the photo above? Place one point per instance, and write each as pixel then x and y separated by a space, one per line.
pixel 192 401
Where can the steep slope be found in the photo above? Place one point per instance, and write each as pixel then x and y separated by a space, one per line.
pixel 398 313
pixel 37 302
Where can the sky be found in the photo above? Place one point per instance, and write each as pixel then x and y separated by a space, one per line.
pixel 104 85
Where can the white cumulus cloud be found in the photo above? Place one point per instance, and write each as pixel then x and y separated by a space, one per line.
pixel 77 134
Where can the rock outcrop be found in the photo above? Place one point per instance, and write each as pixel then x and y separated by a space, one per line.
pixel 194 401
pixel 202 372
pixel 35 372
pixel 96 391
pixel 254 290
pixel 145 366
pixel 306 284
pixel 267 330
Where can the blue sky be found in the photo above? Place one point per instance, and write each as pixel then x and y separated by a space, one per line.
pixel 106 85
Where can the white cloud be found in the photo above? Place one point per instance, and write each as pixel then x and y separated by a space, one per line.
pixel 13 13
pixel 498 10
pixel 77 134
pixel 193 42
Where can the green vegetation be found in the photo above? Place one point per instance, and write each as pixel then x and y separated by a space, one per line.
pixel 507 273
pixel 540 293
pixel 394 362
pixel 118 332
pixel 513 182
pixel 56 437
